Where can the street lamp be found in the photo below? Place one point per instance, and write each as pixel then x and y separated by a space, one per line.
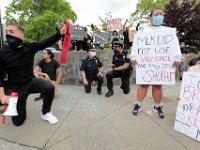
pixel 1 30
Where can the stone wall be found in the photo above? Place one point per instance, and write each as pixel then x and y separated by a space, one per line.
pixel 71 70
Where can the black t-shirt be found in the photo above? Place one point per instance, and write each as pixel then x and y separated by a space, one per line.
pixel 127 44
pixel 91 66
pixel 49 68
pixel 126 39
pixel 87 41
pixel 18 62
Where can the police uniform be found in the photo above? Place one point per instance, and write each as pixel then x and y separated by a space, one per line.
pixel 91 67
pixel 119 60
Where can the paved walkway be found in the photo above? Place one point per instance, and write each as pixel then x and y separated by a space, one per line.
pixel 93 122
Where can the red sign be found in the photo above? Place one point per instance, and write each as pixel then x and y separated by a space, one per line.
pixel 114 24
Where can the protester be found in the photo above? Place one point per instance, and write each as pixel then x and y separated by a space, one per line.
pixel 49 69
pixel 156 20
pixel 195 68
pixel 92 69
pixel 114 38
pixel 194 61
pixel 127 43
pixel 87 40
pixel 17 59
pixel 182 67
pixel 121 68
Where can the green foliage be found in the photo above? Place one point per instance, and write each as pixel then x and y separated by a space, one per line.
pixel 39 17
pixel 104 20
pixel 181 14
pixel 144 7
pixel 93 27
pixel 185 16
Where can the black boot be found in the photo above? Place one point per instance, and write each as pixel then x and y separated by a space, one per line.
pixel 38 98
pixel 109 94
pixel 99 92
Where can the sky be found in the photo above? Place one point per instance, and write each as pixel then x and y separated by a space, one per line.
pixel 88 10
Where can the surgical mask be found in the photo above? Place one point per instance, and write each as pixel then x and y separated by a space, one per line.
pixel 14 41
pixel 158 20
pixel 92 54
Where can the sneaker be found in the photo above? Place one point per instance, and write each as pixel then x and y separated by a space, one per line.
pixel 158 112
pixel 49 117
pixel 136 110
pixel 109 94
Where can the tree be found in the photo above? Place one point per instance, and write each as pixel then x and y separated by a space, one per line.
pixel 185 16
pixel 144 7
pixel 39 17
pixel 104 20
pixel 181 14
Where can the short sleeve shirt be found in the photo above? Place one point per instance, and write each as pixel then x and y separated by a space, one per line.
pixel 49 68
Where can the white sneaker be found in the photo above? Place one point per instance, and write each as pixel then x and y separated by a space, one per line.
pixel 49 117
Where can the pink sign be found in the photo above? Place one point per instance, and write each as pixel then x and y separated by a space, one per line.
pixel 114 24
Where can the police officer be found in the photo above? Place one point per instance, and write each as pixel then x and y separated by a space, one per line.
pixel 92 69
pixel 121 67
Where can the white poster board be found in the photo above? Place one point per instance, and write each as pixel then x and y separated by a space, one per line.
pixel 155 52
pixel 188 110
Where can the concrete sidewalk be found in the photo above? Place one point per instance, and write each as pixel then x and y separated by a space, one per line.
pixel 93 122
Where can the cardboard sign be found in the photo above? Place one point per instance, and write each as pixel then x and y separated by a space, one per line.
pixel 77 33
pixel 188 110
pixel 101 37
pixel 114 24
pixel 155 53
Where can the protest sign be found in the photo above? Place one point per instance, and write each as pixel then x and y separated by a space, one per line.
pixel 101 37
pixel 77 32
pixel 114 24
pixel 188 110
pixel 155 53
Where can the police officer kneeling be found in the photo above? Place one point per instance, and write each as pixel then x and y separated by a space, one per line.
pixel 121 67
pixel 92 69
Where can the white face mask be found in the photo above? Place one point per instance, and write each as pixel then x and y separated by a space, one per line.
pixel 92 54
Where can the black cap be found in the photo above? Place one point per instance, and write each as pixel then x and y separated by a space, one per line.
pixel 117 43
pixel 91 48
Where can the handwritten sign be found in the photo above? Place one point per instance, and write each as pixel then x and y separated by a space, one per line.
pixel 155 53
pixel 77 32
pixel 188 110
pixel 114 24
pixel 101 37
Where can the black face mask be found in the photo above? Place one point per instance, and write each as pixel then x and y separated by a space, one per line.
pixel 14 41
